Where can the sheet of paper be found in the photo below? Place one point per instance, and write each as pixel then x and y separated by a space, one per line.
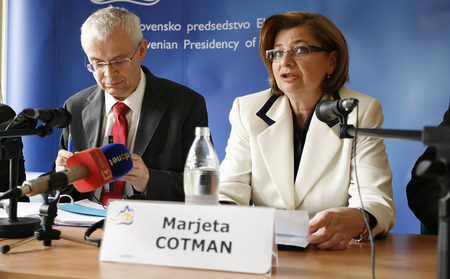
pixel 64 218
pixel 291 227
pixel 24 209
pixel 82 213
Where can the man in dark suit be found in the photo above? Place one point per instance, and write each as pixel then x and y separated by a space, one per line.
pixel 162 115
pixel 423 193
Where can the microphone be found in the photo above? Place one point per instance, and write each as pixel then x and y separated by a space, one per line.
pixel 6 112
pixel 328 110
pixel 20 122
pixel 119 163
pixel 86 170
pixel 59 118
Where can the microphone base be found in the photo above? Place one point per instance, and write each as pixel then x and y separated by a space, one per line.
pixel 20 228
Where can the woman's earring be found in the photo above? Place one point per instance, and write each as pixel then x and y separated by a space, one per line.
pixel 328 76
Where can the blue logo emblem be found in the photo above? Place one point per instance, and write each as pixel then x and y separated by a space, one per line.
pixel 138 2
pixel 125 217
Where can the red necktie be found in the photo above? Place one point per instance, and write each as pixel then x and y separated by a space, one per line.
pixel 119 132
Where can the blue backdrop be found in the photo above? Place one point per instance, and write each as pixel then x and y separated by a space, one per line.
pixel 399 54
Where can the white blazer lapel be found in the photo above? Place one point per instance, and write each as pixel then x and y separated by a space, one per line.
pixel 321 145
pixel 278 154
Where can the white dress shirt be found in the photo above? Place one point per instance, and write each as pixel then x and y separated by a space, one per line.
pixel 134 102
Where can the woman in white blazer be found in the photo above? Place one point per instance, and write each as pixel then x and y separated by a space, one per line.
pixel 281 155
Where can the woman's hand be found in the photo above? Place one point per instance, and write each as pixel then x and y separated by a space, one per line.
pixel 335 227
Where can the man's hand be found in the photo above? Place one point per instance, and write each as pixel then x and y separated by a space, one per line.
pixel 61 160
pixel 139 175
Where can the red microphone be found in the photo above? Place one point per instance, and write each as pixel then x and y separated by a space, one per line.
pixel 90 170
pixel 87 170
pixel 100 166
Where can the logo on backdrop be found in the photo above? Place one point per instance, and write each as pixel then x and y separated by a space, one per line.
pixel 138 2
pixel 125 217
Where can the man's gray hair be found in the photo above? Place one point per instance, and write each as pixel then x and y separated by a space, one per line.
pixel 103 22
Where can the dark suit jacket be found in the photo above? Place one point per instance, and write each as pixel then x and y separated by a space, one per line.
pixel 170 112
pixel 423 193
pixel 12 147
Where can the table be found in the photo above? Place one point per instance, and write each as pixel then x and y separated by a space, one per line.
pixel 396 256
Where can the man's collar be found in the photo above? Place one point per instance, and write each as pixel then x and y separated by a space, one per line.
pixel 134 101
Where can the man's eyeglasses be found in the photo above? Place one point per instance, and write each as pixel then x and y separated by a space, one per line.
pixel 298 52
pixel 116 64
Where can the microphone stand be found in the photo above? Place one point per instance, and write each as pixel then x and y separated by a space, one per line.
pixel 48 212
pixel 11 148
pixel 438 137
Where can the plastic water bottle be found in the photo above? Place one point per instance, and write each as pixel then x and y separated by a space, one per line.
pixel 201 172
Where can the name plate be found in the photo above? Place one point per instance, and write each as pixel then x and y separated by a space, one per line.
pixel 223 237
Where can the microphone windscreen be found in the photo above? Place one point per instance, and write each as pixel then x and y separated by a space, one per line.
pixel 61 118
pixel 119 159
pixel 324 111
pixel 6 113
pixel 99 171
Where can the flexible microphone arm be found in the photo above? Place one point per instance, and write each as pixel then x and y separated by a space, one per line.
pixel 438 137
pixel 41 131
pixel 349 131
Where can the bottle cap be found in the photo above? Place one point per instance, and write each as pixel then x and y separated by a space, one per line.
pixel 202 131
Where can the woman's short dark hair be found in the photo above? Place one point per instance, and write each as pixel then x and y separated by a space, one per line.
pixel 325 32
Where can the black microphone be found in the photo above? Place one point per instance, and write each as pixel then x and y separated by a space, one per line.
pixel 328 110
pixel 59 118
pixel 21 122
